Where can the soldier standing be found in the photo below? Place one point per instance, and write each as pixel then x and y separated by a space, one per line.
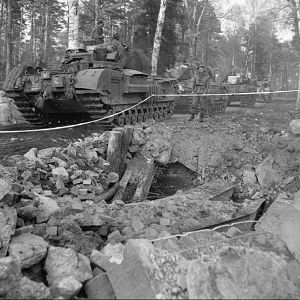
pixel 97 33
pixel 121 49
pixel 201 82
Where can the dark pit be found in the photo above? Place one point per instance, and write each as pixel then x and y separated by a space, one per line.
pixel 169 179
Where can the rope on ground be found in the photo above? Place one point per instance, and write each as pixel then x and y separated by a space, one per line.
pixel 202 230
pixel 222 241
pixel 135 105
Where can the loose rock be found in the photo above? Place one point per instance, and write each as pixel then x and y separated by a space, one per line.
pixel 61 263
pixel 28 249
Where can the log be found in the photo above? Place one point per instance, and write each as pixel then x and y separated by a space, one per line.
pixel 113 156
pixel 122 185
pixel 136 182
pixel 127 133
pixel 107 194
pixel 145 181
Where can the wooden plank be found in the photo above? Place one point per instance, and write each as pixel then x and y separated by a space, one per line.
pixel 127 133
pixel 122 185
pixel 136 182
pixel 114 150
pixel 145 183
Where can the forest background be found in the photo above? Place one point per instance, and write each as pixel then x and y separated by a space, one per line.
pixel 227 37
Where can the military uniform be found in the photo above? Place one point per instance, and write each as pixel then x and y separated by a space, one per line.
pixel 120 48
pixel 201 82
pixel 97 33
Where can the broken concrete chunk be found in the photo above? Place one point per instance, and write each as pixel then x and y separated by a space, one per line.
pixel 138 137
pixel 130 277
pixel 99 288
pixel 290 233
pixel 5 187
pixel 29 289
pixel 46 153
pixel 31 154
pixel 109 254
pixel 62 262
pixel 47 206
pixel 14 286
pixel 61 172
pixel 87 181
pixel 229 274
pixel 10 276
pixel 249 177
pixel 8 221
pixel 115 237
pixel 103 164
pixel 67 287
pixel 24 229
pixel 165 222
pixel 60 162
pixel 137 225
pixel 265 173
pixel 295 127
pixel 293 269
pixel 297 200
pixel 28 212
pixel 28 249
pixel 112 177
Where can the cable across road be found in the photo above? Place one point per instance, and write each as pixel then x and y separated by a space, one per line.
pixel 135 105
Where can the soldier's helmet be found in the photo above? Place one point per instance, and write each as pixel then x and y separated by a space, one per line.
pixel 201 68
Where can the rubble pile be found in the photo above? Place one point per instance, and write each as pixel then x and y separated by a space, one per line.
pixel 9 113
pixel 201 265
pixel 61 194
pixel 67 231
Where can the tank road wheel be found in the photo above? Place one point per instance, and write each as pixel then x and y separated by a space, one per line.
pixel 146 114
pixel 140 117
pixel 120 120
pixel 165 113
pixel 155 116
pixel 109 113
pixel 151 113
pixel 128 118
pixel 134 118
pixel 160 114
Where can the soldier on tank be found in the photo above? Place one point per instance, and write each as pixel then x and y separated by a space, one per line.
pixel 201 82
pixel 120 48
pixel 97 34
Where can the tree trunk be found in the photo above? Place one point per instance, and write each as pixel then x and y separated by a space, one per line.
pixel 73 38
pixel 158 35
pixel 97 11
pixel 298 36
pixel 33 34
pixel 195 36
pixel 9 36
pixel 132 35
pixel 46 34
pixel 1 26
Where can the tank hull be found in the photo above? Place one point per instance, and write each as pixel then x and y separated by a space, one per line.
pixel 53 97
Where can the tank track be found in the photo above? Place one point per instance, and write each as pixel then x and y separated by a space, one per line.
pixel 97 110
pixel 213 105
pixel 28 111
pixel 158 111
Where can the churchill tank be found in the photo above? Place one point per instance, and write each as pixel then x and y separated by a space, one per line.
pixel 91 84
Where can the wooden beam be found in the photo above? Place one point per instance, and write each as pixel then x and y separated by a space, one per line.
pixel 113 155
